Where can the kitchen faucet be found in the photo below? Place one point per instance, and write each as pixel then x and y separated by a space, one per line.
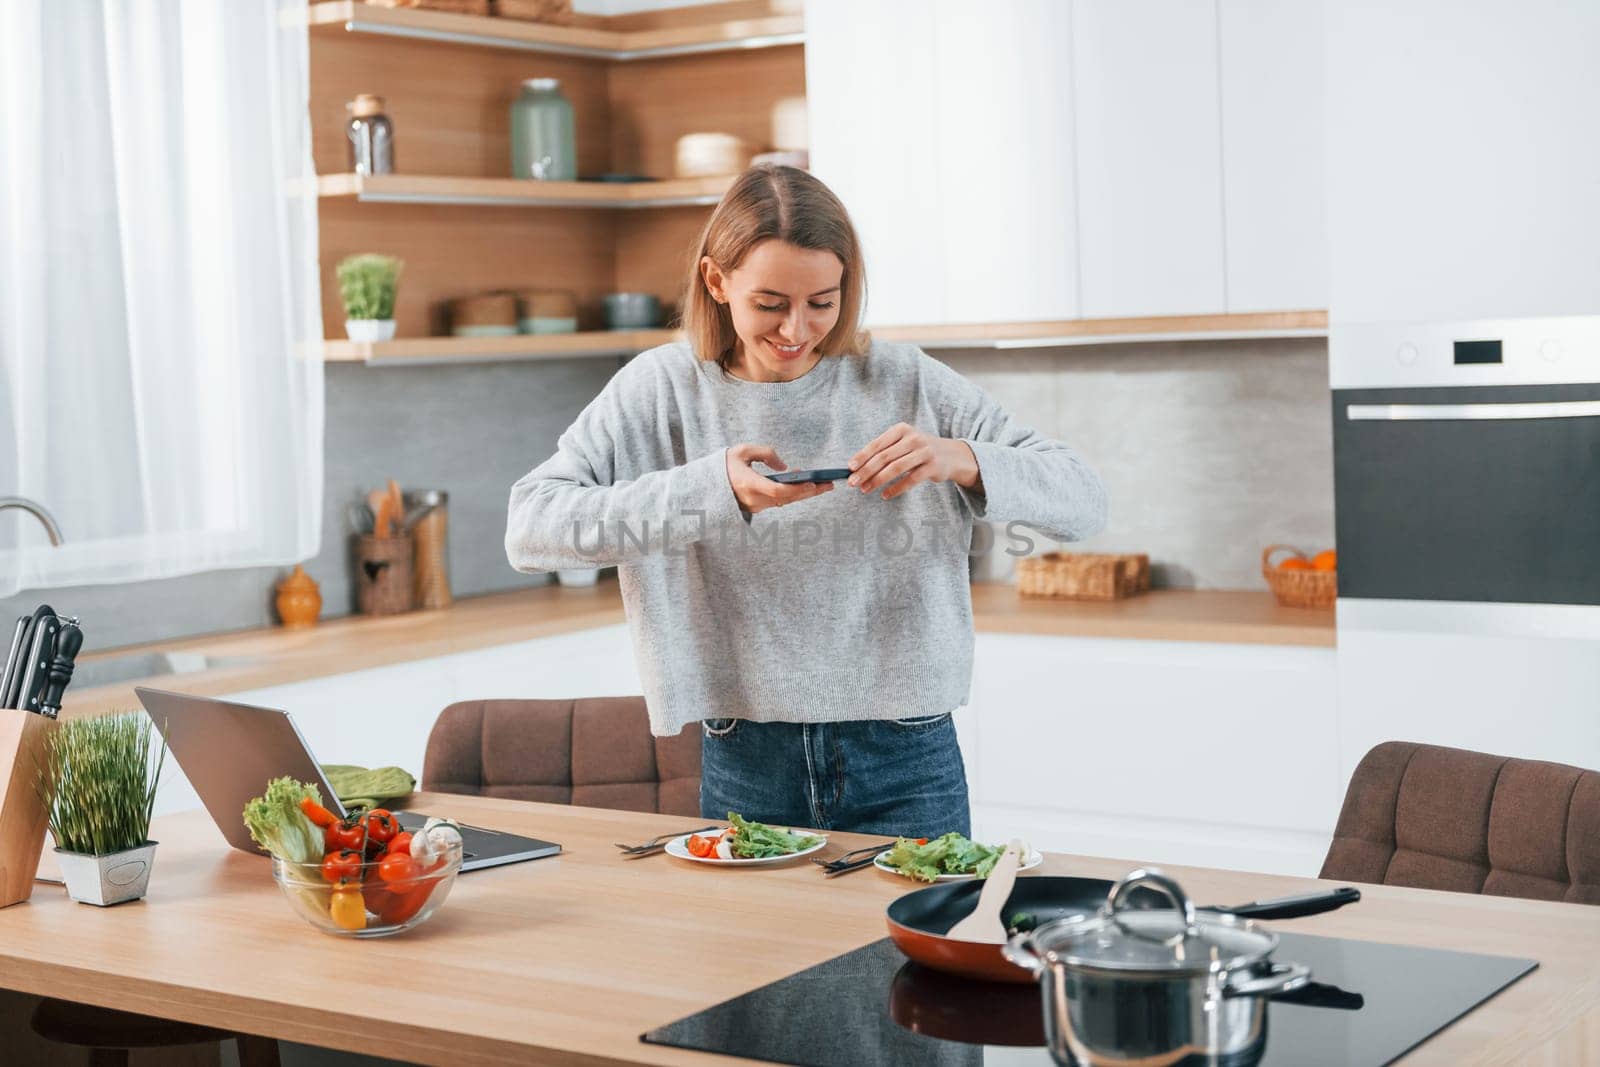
pixel 38 511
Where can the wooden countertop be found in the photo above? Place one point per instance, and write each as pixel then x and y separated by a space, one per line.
pixel 1229 616
pixel 256 659
pixel 568 960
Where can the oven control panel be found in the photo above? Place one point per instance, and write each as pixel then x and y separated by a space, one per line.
pixel 1555 351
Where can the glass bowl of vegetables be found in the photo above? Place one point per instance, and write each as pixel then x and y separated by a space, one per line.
pixel 365 887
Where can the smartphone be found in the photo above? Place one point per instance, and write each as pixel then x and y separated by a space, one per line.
pixel 826 474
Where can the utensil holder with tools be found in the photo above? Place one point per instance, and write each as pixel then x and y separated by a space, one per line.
pixel 383 574
pixel 23 812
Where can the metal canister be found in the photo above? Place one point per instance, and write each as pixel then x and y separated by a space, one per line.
pixel 431 530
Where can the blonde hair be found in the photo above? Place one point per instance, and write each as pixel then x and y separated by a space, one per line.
pixel 787 204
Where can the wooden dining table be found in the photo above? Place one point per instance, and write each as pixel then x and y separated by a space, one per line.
pixel 567 960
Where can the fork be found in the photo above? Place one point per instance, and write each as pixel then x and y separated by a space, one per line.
pixel 853 860
pixel 656 844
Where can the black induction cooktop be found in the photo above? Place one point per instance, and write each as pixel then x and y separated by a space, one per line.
pixel 1368 1004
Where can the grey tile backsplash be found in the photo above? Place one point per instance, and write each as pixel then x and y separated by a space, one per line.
pixel 1211 450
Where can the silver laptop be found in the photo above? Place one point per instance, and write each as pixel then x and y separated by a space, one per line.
pixel 231 751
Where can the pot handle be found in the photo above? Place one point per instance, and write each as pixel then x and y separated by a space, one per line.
pixel 1261 982
pixel 1150 878
pixel 1020 952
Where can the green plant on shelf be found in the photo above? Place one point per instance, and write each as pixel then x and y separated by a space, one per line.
pixel 99 782
pixel 367 284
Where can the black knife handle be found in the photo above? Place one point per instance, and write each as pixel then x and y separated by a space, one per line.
pixel 1297 906
pixel 45 632
pixel 68 642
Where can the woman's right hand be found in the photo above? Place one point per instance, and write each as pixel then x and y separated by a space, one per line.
pixel 754 490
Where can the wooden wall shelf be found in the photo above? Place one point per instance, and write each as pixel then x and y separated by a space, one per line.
pixel 998 335
pixel 418 351
pixel 1242 326
pixel 426 189
pixel 352 16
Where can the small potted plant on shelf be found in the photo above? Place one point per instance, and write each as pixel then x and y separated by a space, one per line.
pixel 367 284
pixel 99 782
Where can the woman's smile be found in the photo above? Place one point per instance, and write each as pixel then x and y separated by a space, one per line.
pixel 787 351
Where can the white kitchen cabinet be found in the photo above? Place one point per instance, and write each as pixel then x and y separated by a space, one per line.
pixel 1158 751
pixel 1149 157
pixel 871 82
pixel 1155 751
pixel 1463 169
pixel 948 135
pixel 1274 203
pixel 1005 171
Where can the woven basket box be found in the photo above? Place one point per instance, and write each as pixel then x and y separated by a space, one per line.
pixel 1084 575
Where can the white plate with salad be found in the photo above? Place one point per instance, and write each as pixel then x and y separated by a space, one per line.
pixel 745 844
pixel 951 858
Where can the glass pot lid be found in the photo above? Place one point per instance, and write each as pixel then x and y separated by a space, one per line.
pixel 1167 942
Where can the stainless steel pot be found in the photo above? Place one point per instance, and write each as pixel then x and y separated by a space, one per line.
pixel 1154 986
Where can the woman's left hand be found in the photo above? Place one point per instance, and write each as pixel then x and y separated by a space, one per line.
pixel 906 456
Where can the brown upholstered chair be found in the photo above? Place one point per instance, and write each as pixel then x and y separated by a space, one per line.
pixel 596 751
pixel 1445 818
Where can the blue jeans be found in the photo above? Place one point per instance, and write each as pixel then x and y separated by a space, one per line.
pixel 891 777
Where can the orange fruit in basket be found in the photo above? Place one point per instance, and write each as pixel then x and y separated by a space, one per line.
pixel 1326 560
pixel 1295 563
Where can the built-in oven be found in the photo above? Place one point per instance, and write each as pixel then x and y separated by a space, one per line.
pixel 1482 493
pixel 1467 509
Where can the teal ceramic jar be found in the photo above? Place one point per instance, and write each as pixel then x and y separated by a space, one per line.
pixel 543 144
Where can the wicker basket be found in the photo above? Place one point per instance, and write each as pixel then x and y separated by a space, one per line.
pixel 1083 575
pixel 1298 589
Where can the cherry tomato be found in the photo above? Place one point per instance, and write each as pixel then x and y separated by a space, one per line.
pixel 342 866
pixel 398 867
pixel 381 826
pixel 401 842
pixel 343 835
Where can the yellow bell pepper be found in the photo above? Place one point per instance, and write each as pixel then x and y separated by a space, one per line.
pixel 347 909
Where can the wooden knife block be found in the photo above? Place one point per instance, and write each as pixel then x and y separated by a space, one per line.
pixel 23 817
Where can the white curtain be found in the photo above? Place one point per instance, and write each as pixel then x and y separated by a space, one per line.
pixel 160 361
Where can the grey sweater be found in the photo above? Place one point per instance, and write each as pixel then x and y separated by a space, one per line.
pixel 844 606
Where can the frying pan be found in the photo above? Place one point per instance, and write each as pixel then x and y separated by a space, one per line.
pixel 919 921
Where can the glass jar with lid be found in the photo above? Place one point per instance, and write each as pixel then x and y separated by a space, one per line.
pixel 370 135
pixel 543 140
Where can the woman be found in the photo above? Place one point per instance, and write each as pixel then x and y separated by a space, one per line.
pixel 822 634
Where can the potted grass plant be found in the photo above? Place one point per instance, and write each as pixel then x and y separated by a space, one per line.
pixel 367 284
pixel 99 779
